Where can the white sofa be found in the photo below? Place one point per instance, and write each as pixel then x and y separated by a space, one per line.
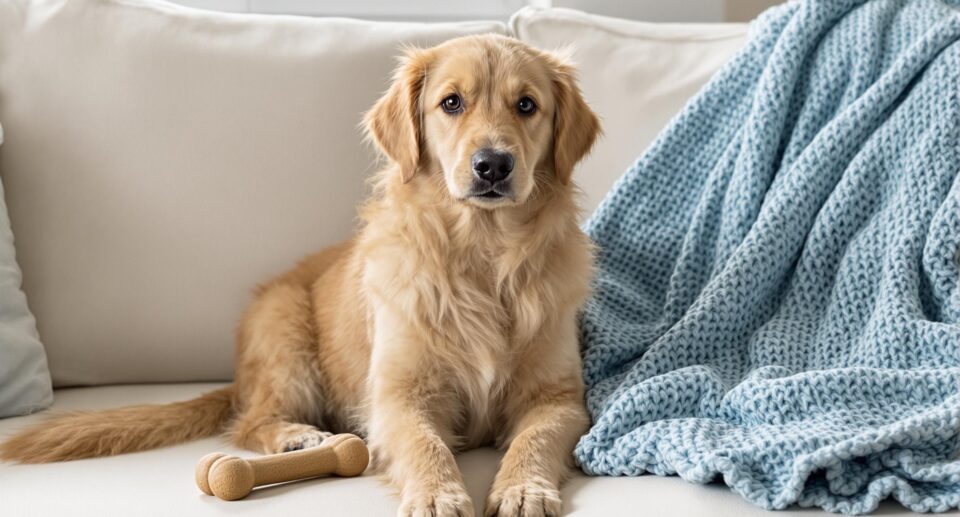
pixel 159 161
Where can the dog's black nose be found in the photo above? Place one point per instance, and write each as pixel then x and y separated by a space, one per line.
pixel 492 165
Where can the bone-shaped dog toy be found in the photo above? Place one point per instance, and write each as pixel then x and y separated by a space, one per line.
pixel 231 478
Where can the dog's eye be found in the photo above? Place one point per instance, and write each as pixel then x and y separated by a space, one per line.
pixel 452 104
pixel 526 106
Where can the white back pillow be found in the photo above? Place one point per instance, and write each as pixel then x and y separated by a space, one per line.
pixel 635 75
pixel 162 160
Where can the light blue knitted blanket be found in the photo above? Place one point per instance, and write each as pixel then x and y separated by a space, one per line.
pixel 777 303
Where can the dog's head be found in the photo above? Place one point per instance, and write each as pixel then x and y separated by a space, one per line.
pixel 489 113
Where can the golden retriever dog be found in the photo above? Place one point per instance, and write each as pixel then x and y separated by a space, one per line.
pixel 448 322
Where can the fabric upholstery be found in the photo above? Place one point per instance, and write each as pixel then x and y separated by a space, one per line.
pixel 161 161
pixel 635 75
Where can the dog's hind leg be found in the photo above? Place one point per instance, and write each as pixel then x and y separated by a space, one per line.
pixel 280 399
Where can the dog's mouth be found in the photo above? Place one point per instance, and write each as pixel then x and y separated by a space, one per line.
pixel 491 194
pixel 488 192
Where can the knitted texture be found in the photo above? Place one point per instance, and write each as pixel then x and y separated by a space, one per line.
pixel 777 303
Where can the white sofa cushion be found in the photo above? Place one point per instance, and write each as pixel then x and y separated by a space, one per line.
pixel 24 378
pixel 161 160
pixel 160 482
pixel 635 75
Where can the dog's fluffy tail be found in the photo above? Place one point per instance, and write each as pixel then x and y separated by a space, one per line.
pixel 88 434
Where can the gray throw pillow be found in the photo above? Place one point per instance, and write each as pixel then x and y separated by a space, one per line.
pixel 24 378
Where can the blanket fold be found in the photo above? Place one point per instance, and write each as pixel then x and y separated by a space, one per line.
pixel 777 303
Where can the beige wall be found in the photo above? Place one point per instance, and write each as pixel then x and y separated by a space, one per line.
pixel 746 10
pixel 650 10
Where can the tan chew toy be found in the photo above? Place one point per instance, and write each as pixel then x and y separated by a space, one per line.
pixel 231 478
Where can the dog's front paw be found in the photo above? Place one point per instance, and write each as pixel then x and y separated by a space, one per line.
pixel 304 440
pixel 528 499
pixel 450 500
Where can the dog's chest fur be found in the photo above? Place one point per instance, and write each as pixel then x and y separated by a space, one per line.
pixel 487 310
pixel 474 292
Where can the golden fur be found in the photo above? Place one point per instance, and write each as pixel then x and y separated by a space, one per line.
pixel 447 323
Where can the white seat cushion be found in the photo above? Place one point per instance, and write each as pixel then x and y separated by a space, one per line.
pixel 160 482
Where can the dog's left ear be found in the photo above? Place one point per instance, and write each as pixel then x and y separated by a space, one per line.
pixel 394 121
pixel 575 126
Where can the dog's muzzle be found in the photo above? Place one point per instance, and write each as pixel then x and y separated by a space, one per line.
pixel 491 174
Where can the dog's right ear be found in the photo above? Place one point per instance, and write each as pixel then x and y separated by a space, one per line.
pixel 394 121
